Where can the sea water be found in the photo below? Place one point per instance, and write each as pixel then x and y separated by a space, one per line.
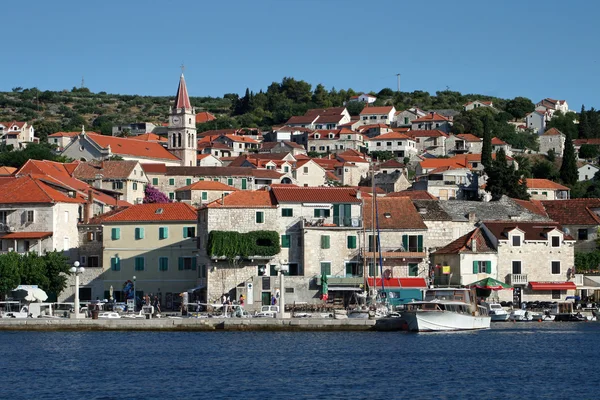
pixel 511 360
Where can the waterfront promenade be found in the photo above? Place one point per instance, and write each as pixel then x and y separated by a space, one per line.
pixel 201 324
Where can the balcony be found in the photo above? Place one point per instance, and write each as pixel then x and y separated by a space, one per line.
pixel 393 253
pixel 517 279
pixel 335 222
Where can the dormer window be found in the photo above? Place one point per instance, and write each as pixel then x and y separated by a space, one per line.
pixel 317 136
pixel 555 241
pixel 516 241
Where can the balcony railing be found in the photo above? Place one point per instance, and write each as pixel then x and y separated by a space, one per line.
pixel 394 252
pixel 517 279
pixel 335 222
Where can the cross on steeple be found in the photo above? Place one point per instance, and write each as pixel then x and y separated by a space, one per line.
pixel 182 68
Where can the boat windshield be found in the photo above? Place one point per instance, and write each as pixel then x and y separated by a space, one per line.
pixel 447 294
pixel 10 306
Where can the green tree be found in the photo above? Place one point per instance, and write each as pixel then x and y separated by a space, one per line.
pixel 551 156
pixel 10 275
pixel 594 122
pixel 321 97
pixel 486 150
pixel 519 107
pixel 564 123
pixel 35 151
pixel 588 151
pixel 503 179
pixel 524 164
pixel 57 270
pixel 382 155
pixel 584 126
pixel 45 128
pixel 568 169
pixel 355 107
pixel 33 270
pixel 544 169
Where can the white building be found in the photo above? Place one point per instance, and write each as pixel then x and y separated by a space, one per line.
pixel 587 172
pixel 378 115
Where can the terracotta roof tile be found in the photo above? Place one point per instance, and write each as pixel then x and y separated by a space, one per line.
pixel 544 184
pixel 426 133
pixel 151 212
pixel 464 244
pixel 573 211
pixel 204 116
pixel 133 147
pixel 108 169
pixel 532 230
pixel 207 185
pixel 413 194
pixel 468 137
pixel 315 195
pixel 245 199
pixel 392 213
pixel 151 137
pixel 390 136
pixel 30 189
pixel 498 142
pixel 552 132
pixel 376 110
pixel 431 117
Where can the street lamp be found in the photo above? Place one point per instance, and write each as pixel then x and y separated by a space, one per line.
pixel 77 270
pixel 134 299
pixel 281 268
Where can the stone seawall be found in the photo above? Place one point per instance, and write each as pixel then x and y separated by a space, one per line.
pixel 193 324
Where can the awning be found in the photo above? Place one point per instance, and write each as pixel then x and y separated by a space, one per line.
pixel 344 289
pixel 27 235
pixel 552 285
pixel 398 282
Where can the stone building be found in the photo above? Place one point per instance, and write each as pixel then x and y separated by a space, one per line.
pixel 554 140
pixel 202 192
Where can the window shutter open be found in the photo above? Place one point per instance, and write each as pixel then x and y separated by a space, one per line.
pixel 420 243
pixel 405 242
pixel 181 263
pixel 325 242
pixel 185 232
pixel 348 269
pixel 116 233
pixel 488 267
pixel 285 241
pixel 475 267
pixel 194 263
pixel 351 242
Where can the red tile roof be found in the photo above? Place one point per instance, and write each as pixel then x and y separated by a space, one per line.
pixel 133 147
pixel 154 168
pixel 315 195
pixel 331 176
pixel 150 137
pixel 573 211
pixel 207 185
pixel 498 142
pixel 532 230
pixel 390 136
pixel 151 212
pixel 7 171
pixel 552 132
pixel 535 206
pixel 544 184
pixel 579 142
pixel 204 116
pixel 431 117
pixel 426 133
pixel 464 244
pixel 468 137
pixel 376 110
pixel 27 235
pixel 108 169
pixel 66 134
pixel 245 199
pixel 34 189
pixel 392 164
pixel 392 213
pixel 413 194
pixel 182 100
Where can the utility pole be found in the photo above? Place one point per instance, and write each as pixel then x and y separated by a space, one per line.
pixel 398 76
pixel 82 83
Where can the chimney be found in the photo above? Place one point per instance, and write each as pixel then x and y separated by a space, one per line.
pixel 432 113
pixel 474 245
pixel 472 217
pixel 87 207
pixel 98 181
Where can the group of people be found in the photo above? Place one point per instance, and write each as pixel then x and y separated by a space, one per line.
pixel 150 300
pixel 228 303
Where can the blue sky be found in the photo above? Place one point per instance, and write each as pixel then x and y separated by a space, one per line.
pixel 508 48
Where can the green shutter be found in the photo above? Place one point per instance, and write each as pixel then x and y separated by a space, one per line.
pixel 139 263
pixel 420 243
pixel 325 243
pixel 139 233
pixel 413 269
pixel 171 181
pixel 204 195
pixel 336 214
pixel 188 181
pixel 325 268
pixel 475 267
pixel 230 181
pixel 171 196
pixel 372 269
pixel 405 242
pixel 285 241
pixel 488 267
pixel 115 264
pixel 244 184
pixel 194 263
pixel 163 232
pixel 317 213
pixel 348 269
pixel 260 217
pixel 181 263
pixel 351 242
pixel 155 181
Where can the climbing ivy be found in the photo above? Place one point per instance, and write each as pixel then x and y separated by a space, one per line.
pixel 232 245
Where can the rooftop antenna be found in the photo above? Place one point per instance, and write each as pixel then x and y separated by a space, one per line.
pixel 398 76
pixel 82 82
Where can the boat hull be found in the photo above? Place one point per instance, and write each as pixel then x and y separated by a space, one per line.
pixel 439 321
pixel 499 317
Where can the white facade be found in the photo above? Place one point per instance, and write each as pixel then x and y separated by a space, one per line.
pixel 536 121
pixel 587 172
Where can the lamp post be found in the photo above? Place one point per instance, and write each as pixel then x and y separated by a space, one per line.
pixel 134 299
pixel 77 270
pixel 281 268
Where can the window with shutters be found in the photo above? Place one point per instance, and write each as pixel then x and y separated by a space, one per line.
pixel 139 263
pixel 172 181
pixel 482 267
pixel 155 181
pixel 171 196
pixel 325 241
pixel 285 241
pixel 372 270
pixel 163 232
pixel 163 263
pixel 353 269
pixel 555 267
pixel 351 242
pixel 187 263
pixel 189 232
pixel 115 233
pixel 516 241
pixel 287 212
pixel 582 234
pixel 373 243
pixel 115 264
pixel 188 181
pixel 260 217
pixel 230 181
pixel 325 268
pixel 412 243
pixel 413 269
pixel 134 186
pixel 204 195
pixel 322 213
pixel 139 233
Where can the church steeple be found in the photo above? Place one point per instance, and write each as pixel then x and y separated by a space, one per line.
pixel 182 127
pixel 182 100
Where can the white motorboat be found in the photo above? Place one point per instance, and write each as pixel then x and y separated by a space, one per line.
pixel 446 309
pixel 496 312
pixel 109 315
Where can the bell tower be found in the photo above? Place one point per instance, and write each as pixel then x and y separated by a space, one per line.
pixel 182 127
